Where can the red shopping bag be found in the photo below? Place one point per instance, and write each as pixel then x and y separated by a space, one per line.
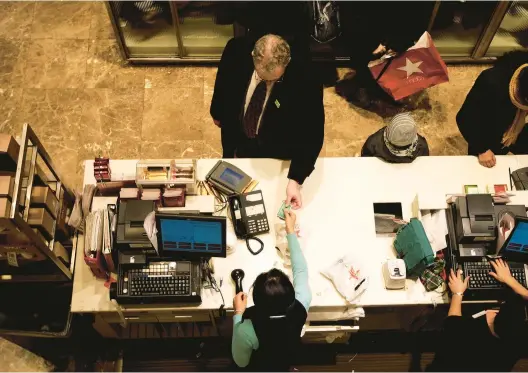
pixel 416 69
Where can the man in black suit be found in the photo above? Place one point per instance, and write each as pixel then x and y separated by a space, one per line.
pixel 269 104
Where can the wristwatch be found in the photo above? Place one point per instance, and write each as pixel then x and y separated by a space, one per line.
pixel 460 294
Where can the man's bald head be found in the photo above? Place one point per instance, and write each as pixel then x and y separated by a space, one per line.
pixel 271 55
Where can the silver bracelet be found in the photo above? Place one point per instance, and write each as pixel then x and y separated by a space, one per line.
pixel 460 294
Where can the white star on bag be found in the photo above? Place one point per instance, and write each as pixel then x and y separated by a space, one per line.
pixel 410 67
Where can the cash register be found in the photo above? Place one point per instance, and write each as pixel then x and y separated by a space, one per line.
pixel 472 223
pixel 173 276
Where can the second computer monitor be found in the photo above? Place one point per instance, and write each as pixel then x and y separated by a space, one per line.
pixel 515 248
pixel 191 236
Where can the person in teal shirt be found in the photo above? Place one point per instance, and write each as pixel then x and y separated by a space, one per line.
pixel 267 335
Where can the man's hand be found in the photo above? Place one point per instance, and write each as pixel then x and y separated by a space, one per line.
pixel 289 218
pixel 217 123
pixel 502 272
pixel 487 159
pixel 455 282
pixel 379 49
pixel 240 303
pixel 293 195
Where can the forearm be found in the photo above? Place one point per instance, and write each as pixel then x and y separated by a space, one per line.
pixel 240 348
pixel 474 118
pixel 455 308
pixel 300 272
pixel 305 154
pixel 517 288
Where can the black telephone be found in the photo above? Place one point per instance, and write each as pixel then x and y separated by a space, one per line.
pixel 249 217
pixel 520 178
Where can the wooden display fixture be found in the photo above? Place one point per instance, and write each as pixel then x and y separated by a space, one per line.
pixel 25 253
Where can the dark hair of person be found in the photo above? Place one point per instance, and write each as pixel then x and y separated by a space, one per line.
pixel 512 60
pixel 523 85
pixel 273 293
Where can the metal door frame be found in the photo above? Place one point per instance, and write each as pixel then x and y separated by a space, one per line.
pixel 487 35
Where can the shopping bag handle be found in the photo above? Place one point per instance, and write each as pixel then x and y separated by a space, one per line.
pixel 385 68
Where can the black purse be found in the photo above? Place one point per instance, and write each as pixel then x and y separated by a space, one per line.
pixel 327 24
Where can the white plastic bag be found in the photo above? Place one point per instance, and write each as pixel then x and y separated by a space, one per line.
pixel 150 227
pixel 348 277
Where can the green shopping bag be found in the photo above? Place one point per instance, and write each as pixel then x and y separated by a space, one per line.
pixel 412 245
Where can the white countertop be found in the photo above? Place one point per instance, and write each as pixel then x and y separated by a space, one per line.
pixel 336 219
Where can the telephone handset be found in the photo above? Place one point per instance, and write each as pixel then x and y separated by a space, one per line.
pixel 520 178
pixel 248 215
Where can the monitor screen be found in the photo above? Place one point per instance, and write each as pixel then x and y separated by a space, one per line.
pixel 518 240
pixel 231 177
pixel 199 236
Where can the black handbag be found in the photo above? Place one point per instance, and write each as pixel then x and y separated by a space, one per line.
pixel 325 16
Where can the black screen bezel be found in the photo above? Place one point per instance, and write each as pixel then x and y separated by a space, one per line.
pixel 509 255
pixel 186 254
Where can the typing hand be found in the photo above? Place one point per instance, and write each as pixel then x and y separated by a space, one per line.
pixel 456 284
pixel 289 218
pixel 293 195
pixel 502 271
pixel 487 159
pixel 240 303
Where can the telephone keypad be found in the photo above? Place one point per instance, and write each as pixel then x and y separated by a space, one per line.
pixel 258 226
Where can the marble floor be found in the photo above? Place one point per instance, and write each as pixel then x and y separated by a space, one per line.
pixel 60 71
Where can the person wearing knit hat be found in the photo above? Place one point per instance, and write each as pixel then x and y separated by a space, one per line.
pixel 493 117
pixel 399 142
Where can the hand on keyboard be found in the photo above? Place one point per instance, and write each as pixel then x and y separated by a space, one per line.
pixel 456 283
pixel 492 274
pixel 501 271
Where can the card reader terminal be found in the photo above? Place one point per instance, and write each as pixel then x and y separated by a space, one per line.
pixel 228 178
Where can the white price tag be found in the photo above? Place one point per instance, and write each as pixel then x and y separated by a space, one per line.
pixel 12 259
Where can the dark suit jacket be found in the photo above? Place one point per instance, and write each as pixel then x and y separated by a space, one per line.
pixel 488 111
pixel 292 125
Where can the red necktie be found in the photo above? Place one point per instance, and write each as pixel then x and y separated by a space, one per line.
pixel 254 110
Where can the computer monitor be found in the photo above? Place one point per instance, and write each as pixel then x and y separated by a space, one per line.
pixel 515 248
pixel 191 236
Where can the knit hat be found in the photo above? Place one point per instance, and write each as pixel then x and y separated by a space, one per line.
pixel 401 135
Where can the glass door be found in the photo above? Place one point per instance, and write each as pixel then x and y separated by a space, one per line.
pixel 147 28
pixel 457 26
pixel 204 27
pixel 513 31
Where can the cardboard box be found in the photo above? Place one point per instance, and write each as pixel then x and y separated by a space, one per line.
pixel 6 186
pixel 39 177
pixel 41 219
pixel 44 196
pixel 5 207
pixel 6 225
pixel 41 236
pixel 61 252
pixel 9 149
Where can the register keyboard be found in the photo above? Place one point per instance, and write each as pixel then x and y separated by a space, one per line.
pixel 481 279
pixel 159 282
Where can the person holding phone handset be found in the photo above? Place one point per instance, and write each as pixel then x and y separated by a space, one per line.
pixel 267 335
